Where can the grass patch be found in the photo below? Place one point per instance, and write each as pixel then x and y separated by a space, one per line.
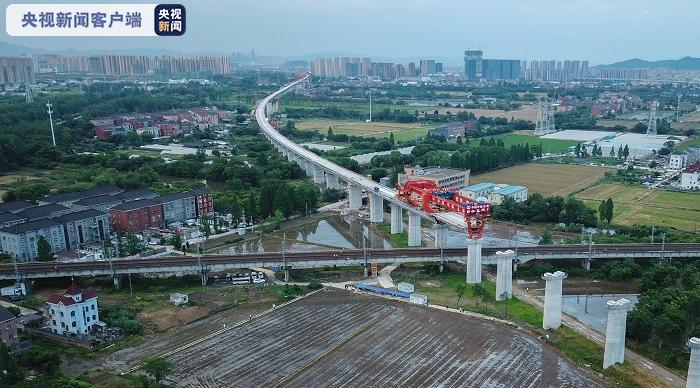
pixel 548 145
pixel 398 240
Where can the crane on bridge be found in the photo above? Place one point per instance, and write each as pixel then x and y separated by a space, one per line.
pixel 428 196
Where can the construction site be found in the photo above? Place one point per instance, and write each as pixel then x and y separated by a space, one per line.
pixel 340 338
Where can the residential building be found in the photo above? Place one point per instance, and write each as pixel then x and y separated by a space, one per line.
pixel 427 67
pixel 680 159
pixel 177 207
pixel 8 329
pixel 75 311
pixel 136 215
pixel 69 198
pixel 477 68
pixel 10 219
pixel 20 241
pixel 14 206
pixel 84 227
pixel 690 177
pixel 43 211
pixel 443 177
pixel 16 71
pixel 204 201
pixel 449 130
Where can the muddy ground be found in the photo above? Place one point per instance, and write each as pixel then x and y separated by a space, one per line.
pixel 337 338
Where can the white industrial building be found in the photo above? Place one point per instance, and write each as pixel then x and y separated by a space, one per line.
pixel 75 311
pixel 495 193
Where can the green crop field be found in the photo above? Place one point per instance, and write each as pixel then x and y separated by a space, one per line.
pixel 401 131
pixel 639 205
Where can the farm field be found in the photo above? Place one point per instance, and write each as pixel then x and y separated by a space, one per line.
pixel 548 145
pixel 527 112
pixel 546 179
pixel 401 131
pixel 328 338
pixel 639 205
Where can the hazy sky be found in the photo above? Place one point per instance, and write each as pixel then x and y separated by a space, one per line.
pixel 602 31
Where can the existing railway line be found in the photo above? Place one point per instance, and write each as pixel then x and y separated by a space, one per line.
pixel 334 257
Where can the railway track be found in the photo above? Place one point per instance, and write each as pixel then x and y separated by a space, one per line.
pixel 337 254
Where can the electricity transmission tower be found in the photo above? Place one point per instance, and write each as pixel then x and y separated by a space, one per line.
pixel 651 127
pixel 28 94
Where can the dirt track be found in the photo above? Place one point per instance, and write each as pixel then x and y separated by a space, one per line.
pixel 336 338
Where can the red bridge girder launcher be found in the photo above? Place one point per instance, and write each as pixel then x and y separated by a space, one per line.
pixel 426 195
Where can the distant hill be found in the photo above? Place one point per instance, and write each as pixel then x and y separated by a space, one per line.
pixel 685 63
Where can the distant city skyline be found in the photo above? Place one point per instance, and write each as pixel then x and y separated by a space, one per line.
pixel 601 32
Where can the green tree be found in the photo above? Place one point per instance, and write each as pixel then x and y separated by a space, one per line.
pixel 546 238
pixel 391 137
pixel 157 367
pixel 577 150
pixel 330 133
pixel 43 249
pixel 601 211
pixel 612 151
pixel 176 241
pixel 626 152
pixel 204 226
pixel 609 210
pixel 479 291
pixel 460 291
pixel 10 373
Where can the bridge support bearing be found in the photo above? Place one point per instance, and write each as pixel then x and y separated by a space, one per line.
pixel 414 233
pixel 440 233
pixel 694 365
pixel 376 208
pixel 615 332
pixel 331 181
pixel 552 299
pixel 319 177
pixel 474 261
pixel 396 219
pixel 354 196
pixel 504 275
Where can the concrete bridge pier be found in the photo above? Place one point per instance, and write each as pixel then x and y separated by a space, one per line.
pixel 354 196
pixel 586 264
pixel 440 232
pixel 504 275
pixel 552 299
pixel 331 181
pixel 286 275
pixel 693 380
pixel 615 333
pixel 376 208
pixel 474 261
pixel 117 281
pixel 290 157
pixel 319 177
pixel 308 168
pixel 285 152
pixel 396 219
pixel 414 233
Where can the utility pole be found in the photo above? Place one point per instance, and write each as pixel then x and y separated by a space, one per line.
pixel 50 112
pixel 284 257
pixel 663 246
pixel 653 231
pixel 590 255
pixel 364 252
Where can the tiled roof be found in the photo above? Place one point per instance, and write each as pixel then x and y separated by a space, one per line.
pixel 31 226
pixel 510 190
pixel 14 206
pixel 77 195
pixel 173 197
pixel 135 205
pixel 99 200
pixel 695 167
pixel 81 215
pixel 42 211
pixel 67 297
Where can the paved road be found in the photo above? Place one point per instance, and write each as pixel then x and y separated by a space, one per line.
pixel 659 371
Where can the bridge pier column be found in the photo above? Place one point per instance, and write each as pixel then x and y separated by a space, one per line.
pixel 474 261
pixel 414 234
pixel 331 181
pixel 286 275
pixel 205 278
pixel 117 281
pixel 586 264
pixel 319 177
pixel 504 275
pixel 694 365
pixel 354 196
pixel 308 168
pixel 440 233
pixel 615 333
pixel 552 299
pixel 285 152
pixel 515 266
pixel 376 208
pixel 396 219
pixel 290 156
